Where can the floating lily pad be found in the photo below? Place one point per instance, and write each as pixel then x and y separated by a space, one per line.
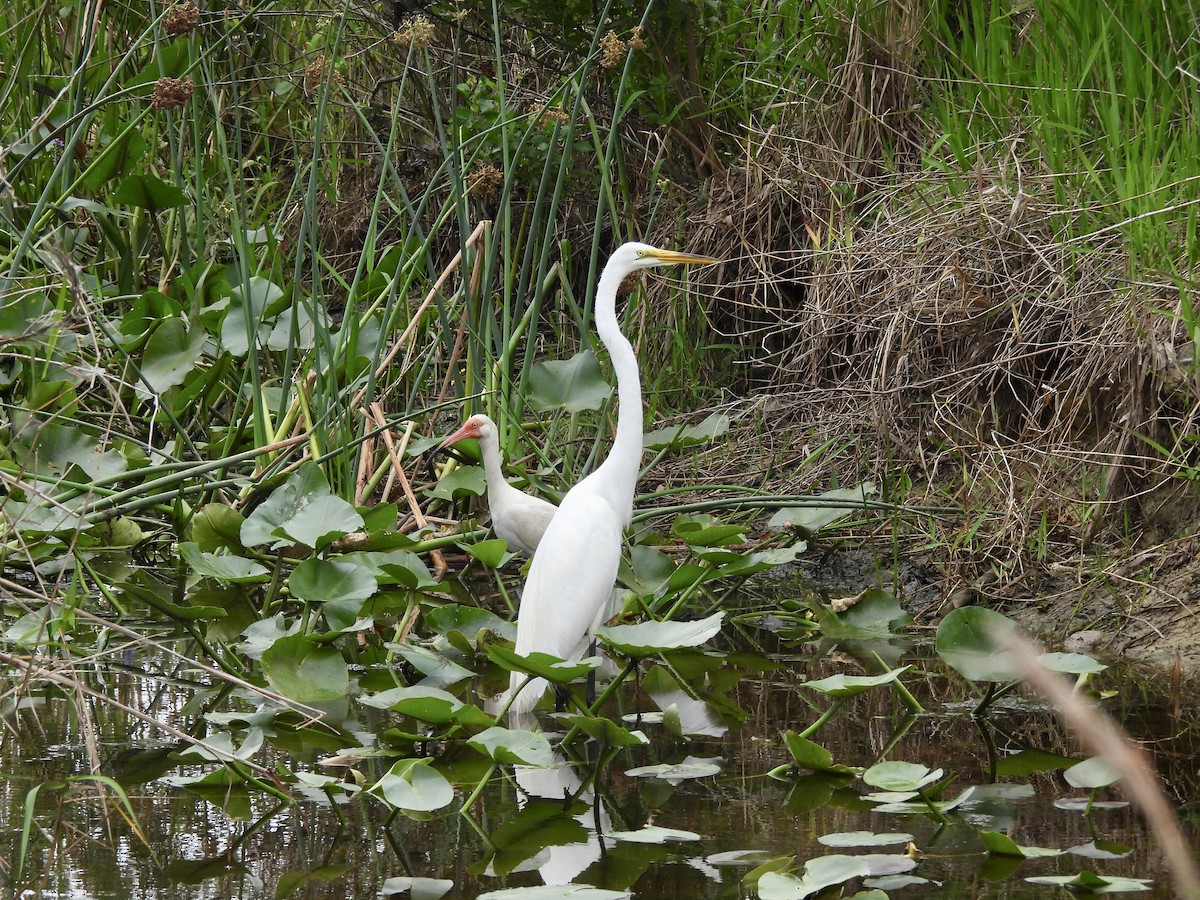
pixel 1030 761
pixel 809 755
pixel 877 616
pixel 647 638
pixel 652 834
pixel 417 888
pixel 1071 663
pixel 1091 774
pixel 301 510
pixel 304 671
pixel 677 772
pixel 223 567
pixel 493 553
pixel 425 703
pixel 605 731
pixel 506 745
pixel 819 874
pixel 543 665
pixel 843 686
pixel 414 785
pixel 706 531
pixel 1090 882
pixel 901 776
pixel 325 580
pixel 1002 845
pixel 964 641
pixel 863 839
pixel 556 892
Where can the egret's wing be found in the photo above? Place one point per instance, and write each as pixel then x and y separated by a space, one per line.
pixel 569 584
pixel 571 577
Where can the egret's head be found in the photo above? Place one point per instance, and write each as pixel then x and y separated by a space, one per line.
pixel 475 427
pixel 635 256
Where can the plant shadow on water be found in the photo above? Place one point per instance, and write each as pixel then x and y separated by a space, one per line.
pixel 677 816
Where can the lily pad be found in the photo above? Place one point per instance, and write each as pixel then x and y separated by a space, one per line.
pixel 302 510
pixel 863 839
pixel 223 567
pixel 1071 663
pixel 425 703
pixel 556 892
pixel 414 785
pixel 1090 882
pixel 507 745
pixel 819 874
pixel 877 616
pixel 1002 845
pixel 304 671
pixel 417 888
pixel 901 776
pixel 1091 774
pixel 574 384
pixel 677 772
pixel 964 641
pixel 714 426
pixel 824 511
pixel 809 755
pixel 653 834
pixel 543 665
pixel 843 686
pixel 324 580
pixel 171 354
pixel 647 638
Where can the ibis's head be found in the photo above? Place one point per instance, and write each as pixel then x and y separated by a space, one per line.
pixel 635 256
pixel 477 426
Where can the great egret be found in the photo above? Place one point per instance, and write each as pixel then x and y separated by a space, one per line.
pixel 516 516
pixel 573 572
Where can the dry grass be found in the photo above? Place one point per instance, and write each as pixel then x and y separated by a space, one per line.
pixel 979 346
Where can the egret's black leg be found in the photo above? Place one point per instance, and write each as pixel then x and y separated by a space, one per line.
pixel 591 685
pixel 561 696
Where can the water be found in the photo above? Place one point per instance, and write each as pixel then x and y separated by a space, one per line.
pixel 229 842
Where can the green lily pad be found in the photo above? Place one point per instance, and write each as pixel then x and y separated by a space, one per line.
pixel 863 839
pixel 574 384
pixel 676 436
pixel 901 776
pixel 414 785
pixel 653 834
pixel 1091 774
pixel 814 757
pixel 1028 762
pixel 417 888
pixel 964 641
pixel 1090 882
pixel 171 354
pixel 877 616
pixel 646 638
pixel 300 511
pixel 493 553
pixel 819 874
pixel 543 665
pixel 506 745
pixel 217 527
pixel 224 567
pixel 811 519
pixel 1071 663
pixel 674 773
pixel 323 581
pixel 425 703
pixel 304 671
pixel 463 481
pixel 606 732
pixel 706 531
pixel 843 686
pixel 556 892
pixel 1002 845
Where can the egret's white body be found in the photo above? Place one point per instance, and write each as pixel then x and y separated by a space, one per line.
pixel 572 575
pixel 517 517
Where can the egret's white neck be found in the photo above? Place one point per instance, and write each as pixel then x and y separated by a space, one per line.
pixel 625 457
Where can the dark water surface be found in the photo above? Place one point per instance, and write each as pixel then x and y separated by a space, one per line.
pixel 228 842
